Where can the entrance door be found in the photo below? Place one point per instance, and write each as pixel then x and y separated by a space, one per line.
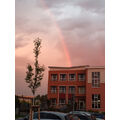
pixel 81 104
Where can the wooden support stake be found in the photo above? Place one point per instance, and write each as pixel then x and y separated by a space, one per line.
pixel 39 113
pixel 31 115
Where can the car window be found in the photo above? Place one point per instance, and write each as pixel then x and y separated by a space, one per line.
pixel 83 117
pixel 35 116
pixel 99 115
pixel 49 116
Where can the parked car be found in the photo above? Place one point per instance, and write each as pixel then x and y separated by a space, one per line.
pixel 45 115
pixel 98 116
pixel 80 116
pixel 81 112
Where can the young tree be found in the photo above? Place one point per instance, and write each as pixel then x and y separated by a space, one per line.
pixel 34 76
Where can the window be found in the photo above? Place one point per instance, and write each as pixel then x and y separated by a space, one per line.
pixel 96 101
pixel 63 77
pixel 53 89
pixel 81 77
pixel 95 79
pixel 70 101
pixel 83 117
pixel 53 101
pixel 62 89
pixel 54 77
pixel 61 101
pixel 72 89
pixel 71 77
pixel 49 116
pixel 81 90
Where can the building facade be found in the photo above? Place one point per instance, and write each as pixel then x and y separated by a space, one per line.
pixel 85 85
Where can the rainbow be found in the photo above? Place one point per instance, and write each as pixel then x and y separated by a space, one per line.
pixel 66 52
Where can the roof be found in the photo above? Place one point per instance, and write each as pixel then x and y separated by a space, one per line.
pixel 83 66
pixel 75 67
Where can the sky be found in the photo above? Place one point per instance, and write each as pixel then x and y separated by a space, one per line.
pixel 72 33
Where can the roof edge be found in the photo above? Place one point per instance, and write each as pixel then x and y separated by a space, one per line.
pixel 73 67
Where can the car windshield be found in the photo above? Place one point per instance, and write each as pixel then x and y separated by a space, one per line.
pixel 46 116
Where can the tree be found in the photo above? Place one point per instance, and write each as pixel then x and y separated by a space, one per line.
pixel 17 102
pixel 34 77
pixel 43 101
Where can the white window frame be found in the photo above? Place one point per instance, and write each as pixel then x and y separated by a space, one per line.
pixel 71 91
pixel 79 78
pixel 81 89
pixel 96 101
pixel 54 78
pixel 62 103
pixel 95 79
pixel 63 79
pixel 53 90
pixel 62 90
pixel 72 79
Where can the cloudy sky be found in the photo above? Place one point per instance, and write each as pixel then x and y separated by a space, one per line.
pixel 72 33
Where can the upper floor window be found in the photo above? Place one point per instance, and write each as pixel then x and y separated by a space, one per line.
pixel 72 77
pixel 95 79
pixel 62 89
pixel 63 77
pixel 81 90
pixel 72 89
pixel 54 77
pixel 53 89
pixel 95 100
pixel 81 77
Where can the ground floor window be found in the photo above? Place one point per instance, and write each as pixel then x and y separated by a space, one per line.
pixel 61 101
pixel 70 101
pixel 53 101
pixel 96 101
pixel 81 104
